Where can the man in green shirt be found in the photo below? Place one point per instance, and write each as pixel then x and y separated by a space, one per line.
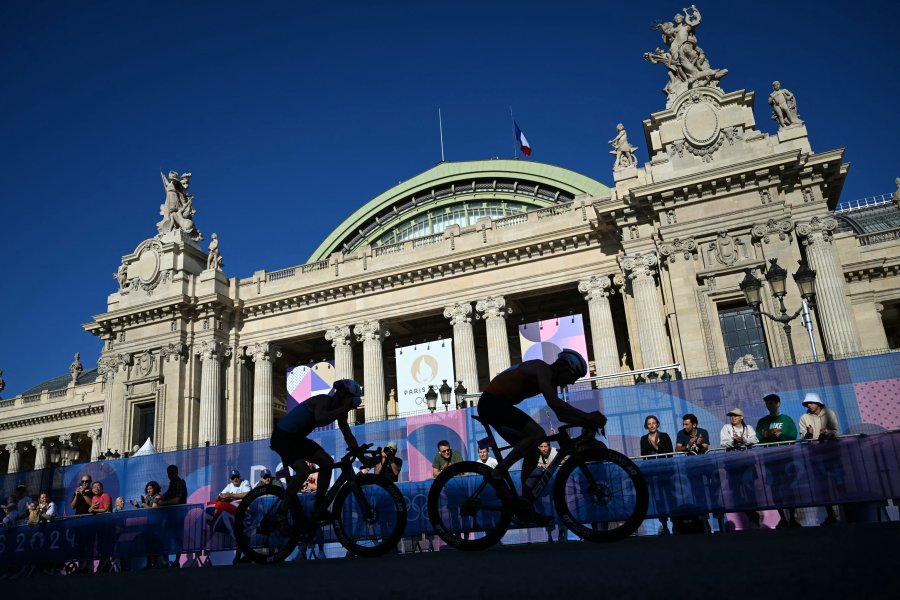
pixel 776 427
pixel 444 458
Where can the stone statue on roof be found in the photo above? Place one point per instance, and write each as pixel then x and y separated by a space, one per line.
pixel 784 106
pixel 177 209
pixel 2 383
pixel 622 149
pixel 76 368
pixel 214 260
pixel 685 61
pixel 896 196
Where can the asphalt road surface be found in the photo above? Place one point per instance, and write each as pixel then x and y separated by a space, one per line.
pixel 849 561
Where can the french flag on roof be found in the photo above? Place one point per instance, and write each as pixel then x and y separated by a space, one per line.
pixel 523 142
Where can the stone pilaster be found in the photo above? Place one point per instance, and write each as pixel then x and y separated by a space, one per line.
pixel 464 345
pixel 833 306
pixel 494 311
pixel 653 341
pixel 371 334
pixel 211 355
pixel 40 456
pixel 343 357
pixel 13 450
pixel 596 290
pixel 264 354
pixel 96 444
pixel 107 369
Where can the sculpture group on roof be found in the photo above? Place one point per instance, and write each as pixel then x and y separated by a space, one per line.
pixel 178 208
pixel 685 61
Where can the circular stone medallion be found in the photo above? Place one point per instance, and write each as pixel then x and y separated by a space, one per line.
pixel 701 124
pixel 148 265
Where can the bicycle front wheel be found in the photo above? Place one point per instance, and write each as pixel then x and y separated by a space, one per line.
pixel 257 530
pixel 600 495
pixel 465 508
pixel 369 516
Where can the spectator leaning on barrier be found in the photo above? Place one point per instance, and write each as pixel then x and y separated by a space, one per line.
pixel 236 489
pixel 737 435
pixel 11 512
pixel 23 500
pixel 691 439
pixel 119 504
pixel 81 499
pixel 101 502
pixel 445 457
pixel 151 496
pixel 483 458
pixel 775 427
pixel 46 507
pixel 819 422
pixel 266 478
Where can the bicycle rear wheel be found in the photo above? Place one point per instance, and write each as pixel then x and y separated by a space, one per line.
pixel 372 522
pixel 256 528
pixel 600 495
pixel 465 508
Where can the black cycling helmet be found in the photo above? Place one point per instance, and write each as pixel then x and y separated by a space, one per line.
pixel 574 362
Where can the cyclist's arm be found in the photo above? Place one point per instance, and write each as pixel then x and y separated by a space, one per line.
pixel 345 429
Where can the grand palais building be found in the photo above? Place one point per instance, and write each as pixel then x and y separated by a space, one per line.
pixel 650 261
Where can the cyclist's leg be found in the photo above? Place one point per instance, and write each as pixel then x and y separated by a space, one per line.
pixel 326 465
pixel 519 429
pixel 290 448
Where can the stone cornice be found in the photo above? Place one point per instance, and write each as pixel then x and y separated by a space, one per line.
pixel 421 272
pixel 60 415
pixel 867 270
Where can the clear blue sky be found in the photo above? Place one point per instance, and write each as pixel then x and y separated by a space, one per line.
pixel 291 113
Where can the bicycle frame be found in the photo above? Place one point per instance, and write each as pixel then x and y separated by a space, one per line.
pixel 566 448
pixel 347 477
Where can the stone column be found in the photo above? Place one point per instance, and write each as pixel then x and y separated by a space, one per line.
pixel 264 354
pixel 343 357
pixel 13 450
pixel 371 334
pixel 494 311
pixel 463 345
pixel 832 304
pixel 40 457
pixel 96 444
pixel 596 290
pixel 655 348
pixel 211 355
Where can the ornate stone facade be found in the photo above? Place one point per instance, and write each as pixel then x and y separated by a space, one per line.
pixel 192 356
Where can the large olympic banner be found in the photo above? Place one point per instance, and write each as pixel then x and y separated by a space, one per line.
pixel 543 340
pixel 306 381
pixel 419 366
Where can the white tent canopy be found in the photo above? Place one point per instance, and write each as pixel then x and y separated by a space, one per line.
pixel 147 448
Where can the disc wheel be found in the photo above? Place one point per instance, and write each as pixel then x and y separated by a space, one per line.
pixel 600 495
pixel 372 521
pixel 256 528
pixel 465 507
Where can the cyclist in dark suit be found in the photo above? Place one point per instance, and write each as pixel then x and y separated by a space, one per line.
pixel 527 379
pixel 290 441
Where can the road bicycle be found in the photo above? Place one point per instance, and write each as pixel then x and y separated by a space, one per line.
pixel 599 494
pixel 368 515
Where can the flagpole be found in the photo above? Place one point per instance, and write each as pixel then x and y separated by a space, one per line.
pixel 512 123
pixel 441 127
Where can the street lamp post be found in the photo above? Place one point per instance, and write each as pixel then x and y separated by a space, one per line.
pixel 460 391
pixel 445 391
pixel 776 276
pixel 431 398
